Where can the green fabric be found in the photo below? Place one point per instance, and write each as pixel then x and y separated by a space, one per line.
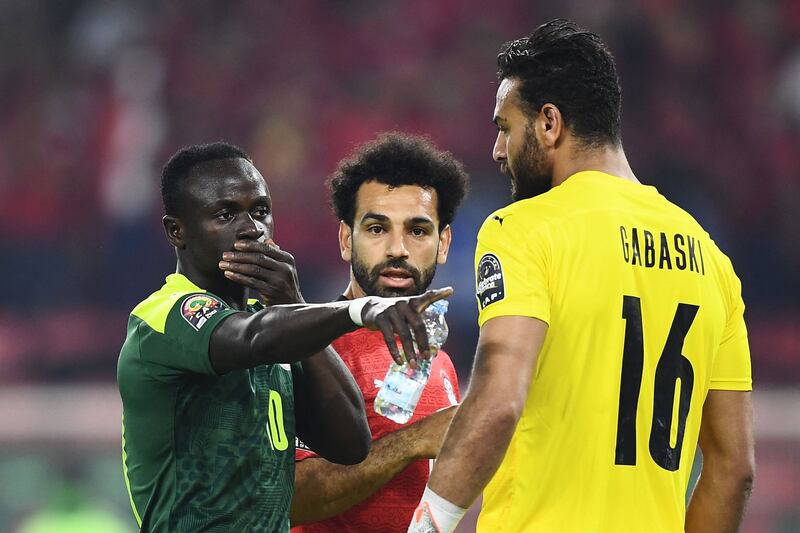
pixel 201 452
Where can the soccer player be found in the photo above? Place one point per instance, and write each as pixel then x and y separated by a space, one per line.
pixel 612 335
pixel 214 385
pixel 395 198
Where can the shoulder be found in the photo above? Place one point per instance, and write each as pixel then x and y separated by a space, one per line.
pixel 195 307
pixel 527 216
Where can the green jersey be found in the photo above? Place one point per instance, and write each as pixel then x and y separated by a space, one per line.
pixel 200 451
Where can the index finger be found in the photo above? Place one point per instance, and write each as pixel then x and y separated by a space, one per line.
pixel 420 303
pixel 268 248
pixel 248 245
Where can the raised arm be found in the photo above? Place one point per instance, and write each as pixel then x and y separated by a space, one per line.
pixel 726 440
pixel 481 431
pixel 323 489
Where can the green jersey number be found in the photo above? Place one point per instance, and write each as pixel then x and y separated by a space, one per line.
pixel 275 430
pixel 672 365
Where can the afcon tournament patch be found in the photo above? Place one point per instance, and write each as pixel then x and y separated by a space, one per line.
pixel 490 288
pixel 198 308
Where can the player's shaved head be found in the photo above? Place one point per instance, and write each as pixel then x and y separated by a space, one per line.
pixel 179 168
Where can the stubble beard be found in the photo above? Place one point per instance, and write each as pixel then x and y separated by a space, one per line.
pixel 531 175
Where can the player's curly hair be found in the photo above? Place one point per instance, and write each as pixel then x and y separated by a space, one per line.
pixel 181 163
pixel 396 159
pixel 563 64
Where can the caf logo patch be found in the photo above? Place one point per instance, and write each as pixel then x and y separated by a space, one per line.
pixel 490 287
pixel 198 308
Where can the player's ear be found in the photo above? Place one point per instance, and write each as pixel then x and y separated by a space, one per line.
pixel 444 245
pixel 549 125
pixel 173 228
pixel 345 241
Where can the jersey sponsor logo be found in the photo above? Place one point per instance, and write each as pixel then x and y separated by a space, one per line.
pixel 198 308
pixel 448 388
pixel 490 287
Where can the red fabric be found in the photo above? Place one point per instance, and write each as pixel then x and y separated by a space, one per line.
pixel 391 508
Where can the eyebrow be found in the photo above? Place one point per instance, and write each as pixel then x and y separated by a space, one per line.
pixel 421 221
pixel 376 216
pixel 228 202
pixel 383 218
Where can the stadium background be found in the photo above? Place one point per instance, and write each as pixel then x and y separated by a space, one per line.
pixel 95 95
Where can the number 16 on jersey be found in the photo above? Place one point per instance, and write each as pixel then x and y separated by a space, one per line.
pixel 672 365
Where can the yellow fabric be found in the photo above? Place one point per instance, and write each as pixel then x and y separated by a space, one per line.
pixel 563 258
pixel 155 309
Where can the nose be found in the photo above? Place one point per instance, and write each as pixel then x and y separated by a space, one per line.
pixel 500 147
pixel 396 246
pixel 249 229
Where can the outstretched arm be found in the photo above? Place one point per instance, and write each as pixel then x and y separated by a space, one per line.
pixel 726 440
pixel 289 333
pixel 329 405
pixel 323 489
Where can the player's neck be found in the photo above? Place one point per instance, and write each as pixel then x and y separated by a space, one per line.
pixel 608 159
pixel 233 294
pixel 353 290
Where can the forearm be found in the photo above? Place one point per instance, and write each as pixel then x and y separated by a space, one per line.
pixel 726 441
pixel 324 489
pixel 288 333
pixel 330 409
pixel 277 334
pixel 719 501
pixel 473 449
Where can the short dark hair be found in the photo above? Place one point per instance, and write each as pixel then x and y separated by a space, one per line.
pixel 396 159
pixel 181 163
pixel 563 64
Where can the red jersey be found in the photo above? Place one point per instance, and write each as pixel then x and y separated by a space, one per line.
pixel 390 508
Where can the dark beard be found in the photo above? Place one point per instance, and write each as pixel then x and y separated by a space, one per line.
pixel 368 279
pixel 530 176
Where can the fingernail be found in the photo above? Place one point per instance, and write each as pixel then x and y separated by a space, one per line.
pixel 239 245
pixel 224 264
pixel 227 255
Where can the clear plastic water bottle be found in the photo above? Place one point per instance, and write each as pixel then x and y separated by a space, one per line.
pixel 402 386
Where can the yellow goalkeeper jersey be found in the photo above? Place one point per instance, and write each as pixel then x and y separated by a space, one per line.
pixel 645 316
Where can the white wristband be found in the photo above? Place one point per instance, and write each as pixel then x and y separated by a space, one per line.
pixel 434 513
pixel 355 308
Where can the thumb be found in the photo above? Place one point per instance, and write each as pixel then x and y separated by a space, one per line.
pixel 421 302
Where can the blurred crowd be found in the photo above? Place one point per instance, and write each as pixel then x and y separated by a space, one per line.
pixel 95 95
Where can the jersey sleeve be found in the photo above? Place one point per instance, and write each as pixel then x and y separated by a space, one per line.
pixel 183 346
pixel 512 269
pixel 732 369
